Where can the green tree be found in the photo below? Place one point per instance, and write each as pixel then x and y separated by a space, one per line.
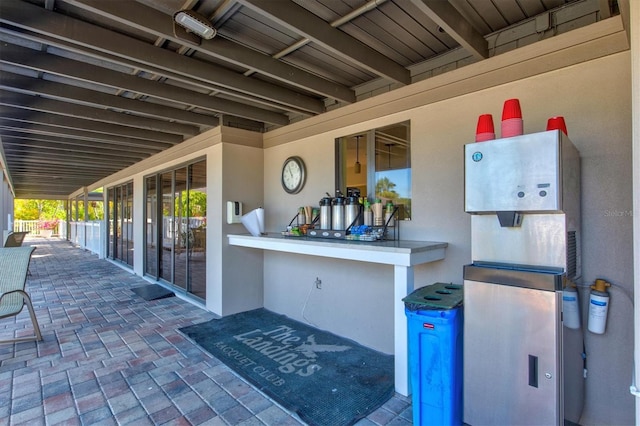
pixel 38 209
pixel 194 203
pixel 384 189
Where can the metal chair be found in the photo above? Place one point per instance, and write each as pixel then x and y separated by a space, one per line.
pixel 15 239
pixel 14 264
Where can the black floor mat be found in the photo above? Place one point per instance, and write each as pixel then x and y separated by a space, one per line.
pixel 152 292
pixel 324 378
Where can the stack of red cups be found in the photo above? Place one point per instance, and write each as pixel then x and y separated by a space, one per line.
pixel 511 119
pixel 557 123
pixel 484 130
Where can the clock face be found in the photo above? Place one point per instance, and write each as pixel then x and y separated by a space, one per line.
pixel 293 175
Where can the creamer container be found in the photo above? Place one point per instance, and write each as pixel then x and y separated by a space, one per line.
pixel 368 214
pixel 388 214
pixel 378 215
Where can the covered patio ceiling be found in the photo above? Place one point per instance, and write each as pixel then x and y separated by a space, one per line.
pixel 91 87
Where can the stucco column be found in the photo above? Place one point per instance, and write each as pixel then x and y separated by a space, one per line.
pixel 634 28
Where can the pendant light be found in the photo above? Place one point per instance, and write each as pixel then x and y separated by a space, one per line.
pixel 357 167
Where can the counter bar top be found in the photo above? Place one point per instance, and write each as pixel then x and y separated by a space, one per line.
pixel 402 255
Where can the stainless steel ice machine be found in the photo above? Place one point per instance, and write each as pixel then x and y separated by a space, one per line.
pixel 521 366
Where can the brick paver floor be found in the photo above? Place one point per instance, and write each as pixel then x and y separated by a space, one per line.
pixel 109 357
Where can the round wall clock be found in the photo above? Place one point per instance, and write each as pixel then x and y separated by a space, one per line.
pixel 293 175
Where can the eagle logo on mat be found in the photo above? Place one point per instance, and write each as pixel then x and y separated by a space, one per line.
pixel 310 347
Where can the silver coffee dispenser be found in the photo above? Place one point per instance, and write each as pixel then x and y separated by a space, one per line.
pixel 325 213
pixel 352 214
pixel 337 213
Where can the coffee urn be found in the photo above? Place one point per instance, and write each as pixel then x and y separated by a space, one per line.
pixel 352 212
pixel 325 213
pixel 337 213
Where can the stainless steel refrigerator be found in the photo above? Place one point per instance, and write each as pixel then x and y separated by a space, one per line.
pixel 521 366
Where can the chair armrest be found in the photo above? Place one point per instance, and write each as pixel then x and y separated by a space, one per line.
pixel 6 293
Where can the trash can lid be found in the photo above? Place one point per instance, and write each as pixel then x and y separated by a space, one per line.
pixel 435 296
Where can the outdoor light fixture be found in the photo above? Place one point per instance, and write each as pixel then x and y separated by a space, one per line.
pixel 195 22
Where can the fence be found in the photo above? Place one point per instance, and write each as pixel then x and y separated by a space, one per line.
pixel 31 226
pixel 87 235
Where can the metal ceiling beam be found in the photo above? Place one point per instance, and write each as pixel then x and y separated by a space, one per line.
pixel 42 181
pixel 67 157
pixel 298 19
pixel 8 113
pixel 605 9
pixel 74 144
pixel 40 104
pixel 152 21
pixel 60 91
pixel 449 19
pixel 90 163
pixel 144 56
pixel 33 59
pixel 15 143
pixel 44 175
pixel 36 173
pixel 56 184
pixel 79 134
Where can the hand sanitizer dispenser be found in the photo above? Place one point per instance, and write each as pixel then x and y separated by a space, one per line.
pixel 234 212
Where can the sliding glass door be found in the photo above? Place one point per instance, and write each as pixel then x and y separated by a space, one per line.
pixel 175 234
pixel 120 223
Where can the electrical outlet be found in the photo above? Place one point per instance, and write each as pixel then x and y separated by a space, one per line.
pixel 318 283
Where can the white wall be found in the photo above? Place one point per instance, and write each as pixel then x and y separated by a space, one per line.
pixel 355 300
pixel 240 269
pixel 635 109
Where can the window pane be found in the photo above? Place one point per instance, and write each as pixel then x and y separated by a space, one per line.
pixel 181 238
pixel 151 252
pixel 393 168
pixel 110 221
pixel 198 228
pixel 128 219
pixel 168 228
pixel 377 164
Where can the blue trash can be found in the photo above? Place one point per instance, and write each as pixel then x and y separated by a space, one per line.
pixel 435 324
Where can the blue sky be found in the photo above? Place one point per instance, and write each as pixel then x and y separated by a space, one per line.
pixel 402 179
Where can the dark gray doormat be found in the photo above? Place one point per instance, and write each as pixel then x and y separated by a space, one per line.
pixel 152 292
pixel 324 378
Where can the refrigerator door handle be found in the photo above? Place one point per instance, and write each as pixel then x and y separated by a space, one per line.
pixel 533 371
